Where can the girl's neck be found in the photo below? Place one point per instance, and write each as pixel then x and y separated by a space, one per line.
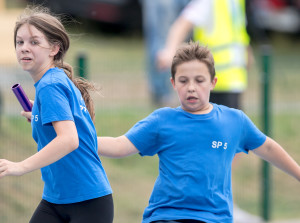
pixel 39 74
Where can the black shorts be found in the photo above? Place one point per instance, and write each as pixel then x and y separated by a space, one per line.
pixel 98 210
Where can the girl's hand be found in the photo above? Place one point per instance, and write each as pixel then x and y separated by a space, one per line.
pixel 8 168
pixel 27 114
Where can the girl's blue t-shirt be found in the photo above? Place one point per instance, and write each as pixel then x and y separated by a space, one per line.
pixel 78 176
pixel 195 155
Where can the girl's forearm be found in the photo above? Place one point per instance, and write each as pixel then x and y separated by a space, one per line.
pixel 55 150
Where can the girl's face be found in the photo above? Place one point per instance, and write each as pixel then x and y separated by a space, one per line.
pixel 34 53
pixel 193 85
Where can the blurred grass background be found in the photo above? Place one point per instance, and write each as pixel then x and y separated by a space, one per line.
pixel 117 64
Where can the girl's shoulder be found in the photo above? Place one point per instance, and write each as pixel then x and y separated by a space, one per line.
pixel 54 76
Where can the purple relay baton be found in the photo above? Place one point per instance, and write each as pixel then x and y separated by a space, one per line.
pixel 22 97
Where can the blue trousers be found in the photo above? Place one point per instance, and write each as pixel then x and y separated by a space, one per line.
pixel 158 16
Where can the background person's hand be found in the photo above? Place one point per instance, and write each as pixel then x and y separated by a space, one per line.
pixel 164 59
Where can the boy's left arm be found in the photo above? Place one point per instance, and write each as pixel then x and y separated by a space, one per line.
pixel 273 153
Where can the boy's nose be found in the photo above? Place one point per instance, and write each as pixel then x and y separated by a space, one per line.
pixel 191 88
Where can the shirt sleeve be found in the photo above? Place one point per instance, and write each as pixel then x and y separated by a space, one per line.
pixel 144 135
pixel 54 104
pixel 252 137
pixel 198 12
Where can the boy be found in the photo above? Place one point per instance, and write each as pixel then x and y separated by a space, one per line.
pixel 196 144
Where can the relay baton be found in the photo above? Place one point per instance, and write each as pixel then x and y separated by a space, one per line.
pixel 22 97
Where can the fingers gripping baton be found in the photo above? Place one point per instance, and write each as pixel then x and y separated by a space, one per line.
pixel 22 97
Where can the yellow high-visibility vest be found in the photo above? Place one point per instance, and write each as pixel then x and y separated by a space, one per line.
pixel 228 41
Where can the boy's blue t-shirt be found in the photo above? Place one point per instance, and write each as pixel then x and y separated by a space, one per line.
pixel 195 155
pixel 78 176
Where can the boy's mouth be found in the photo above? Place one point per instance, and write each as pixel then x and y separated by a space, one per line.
pixel 191 98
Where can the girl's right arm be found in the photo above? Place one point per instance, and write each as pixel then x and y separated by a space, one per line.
pixel 116 147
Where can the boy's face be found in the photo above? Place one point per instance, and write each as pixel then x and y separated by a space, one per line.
pixel 193 85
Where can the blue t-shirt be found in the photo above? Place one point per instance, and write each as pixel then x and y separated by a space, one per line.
pixel 78 176
pixel 195 155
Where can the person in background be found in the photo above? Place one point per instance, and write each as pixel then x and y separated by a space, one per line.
pixel 158 16
pixel 76 188
pixel 195 143
pixel 220 25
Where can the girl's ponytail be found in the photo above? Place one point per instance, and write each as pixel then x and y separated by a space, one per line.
pixel 84 87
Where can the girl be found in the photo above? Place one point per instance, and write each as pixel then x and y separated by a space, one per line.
pixel 76 188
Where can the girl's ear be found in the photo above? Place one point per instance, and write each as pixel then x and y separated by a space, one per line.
pixel 54 50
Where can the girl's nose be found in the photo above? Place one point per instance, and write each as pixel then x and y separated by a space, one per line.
pixel 24 48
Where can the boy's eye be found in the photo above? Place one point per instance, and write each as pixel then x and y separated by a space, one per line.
pixel 182 80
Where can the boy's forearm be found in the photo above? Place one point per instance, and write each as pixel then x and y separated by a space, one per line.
pixel 277 156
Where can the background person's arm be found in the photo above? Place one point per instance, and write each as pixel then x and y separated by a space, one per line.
pixel 177 34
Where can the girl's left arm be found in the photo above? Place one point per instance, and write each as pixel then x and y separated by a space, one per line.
pixel 273 153
pixel 65 142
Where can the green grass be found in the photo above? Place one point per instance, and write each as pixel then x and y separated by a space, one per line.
pixel 117 64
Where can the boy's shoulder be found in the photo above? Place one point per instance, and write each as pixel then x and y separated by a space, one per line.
pixel 166 110
pixel 226 108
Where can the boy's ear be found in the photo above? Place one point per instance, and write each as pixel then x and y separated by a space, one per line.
pixel 54 50
pixel 172 82
pixel 213 83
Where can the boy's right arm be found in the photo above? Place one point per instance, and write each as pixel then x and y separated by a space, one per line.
pixel 116 147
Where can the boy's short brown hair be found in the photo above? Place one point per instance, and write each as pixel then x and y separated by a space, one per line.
pixel 193 51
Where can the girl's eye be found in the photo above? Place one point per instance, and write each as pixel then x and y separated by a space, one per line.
pixel 19 42
pixel 34 42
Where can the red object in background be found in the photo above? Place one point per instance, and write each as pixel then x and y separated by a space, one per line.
pixel 277 4
pixel 105 12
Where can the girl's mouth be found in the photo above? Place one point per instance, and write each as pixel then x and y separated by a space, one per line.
pixel 26 59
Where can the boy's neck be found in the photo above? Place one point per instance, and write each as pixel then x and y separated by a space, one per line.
pixel 205 110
